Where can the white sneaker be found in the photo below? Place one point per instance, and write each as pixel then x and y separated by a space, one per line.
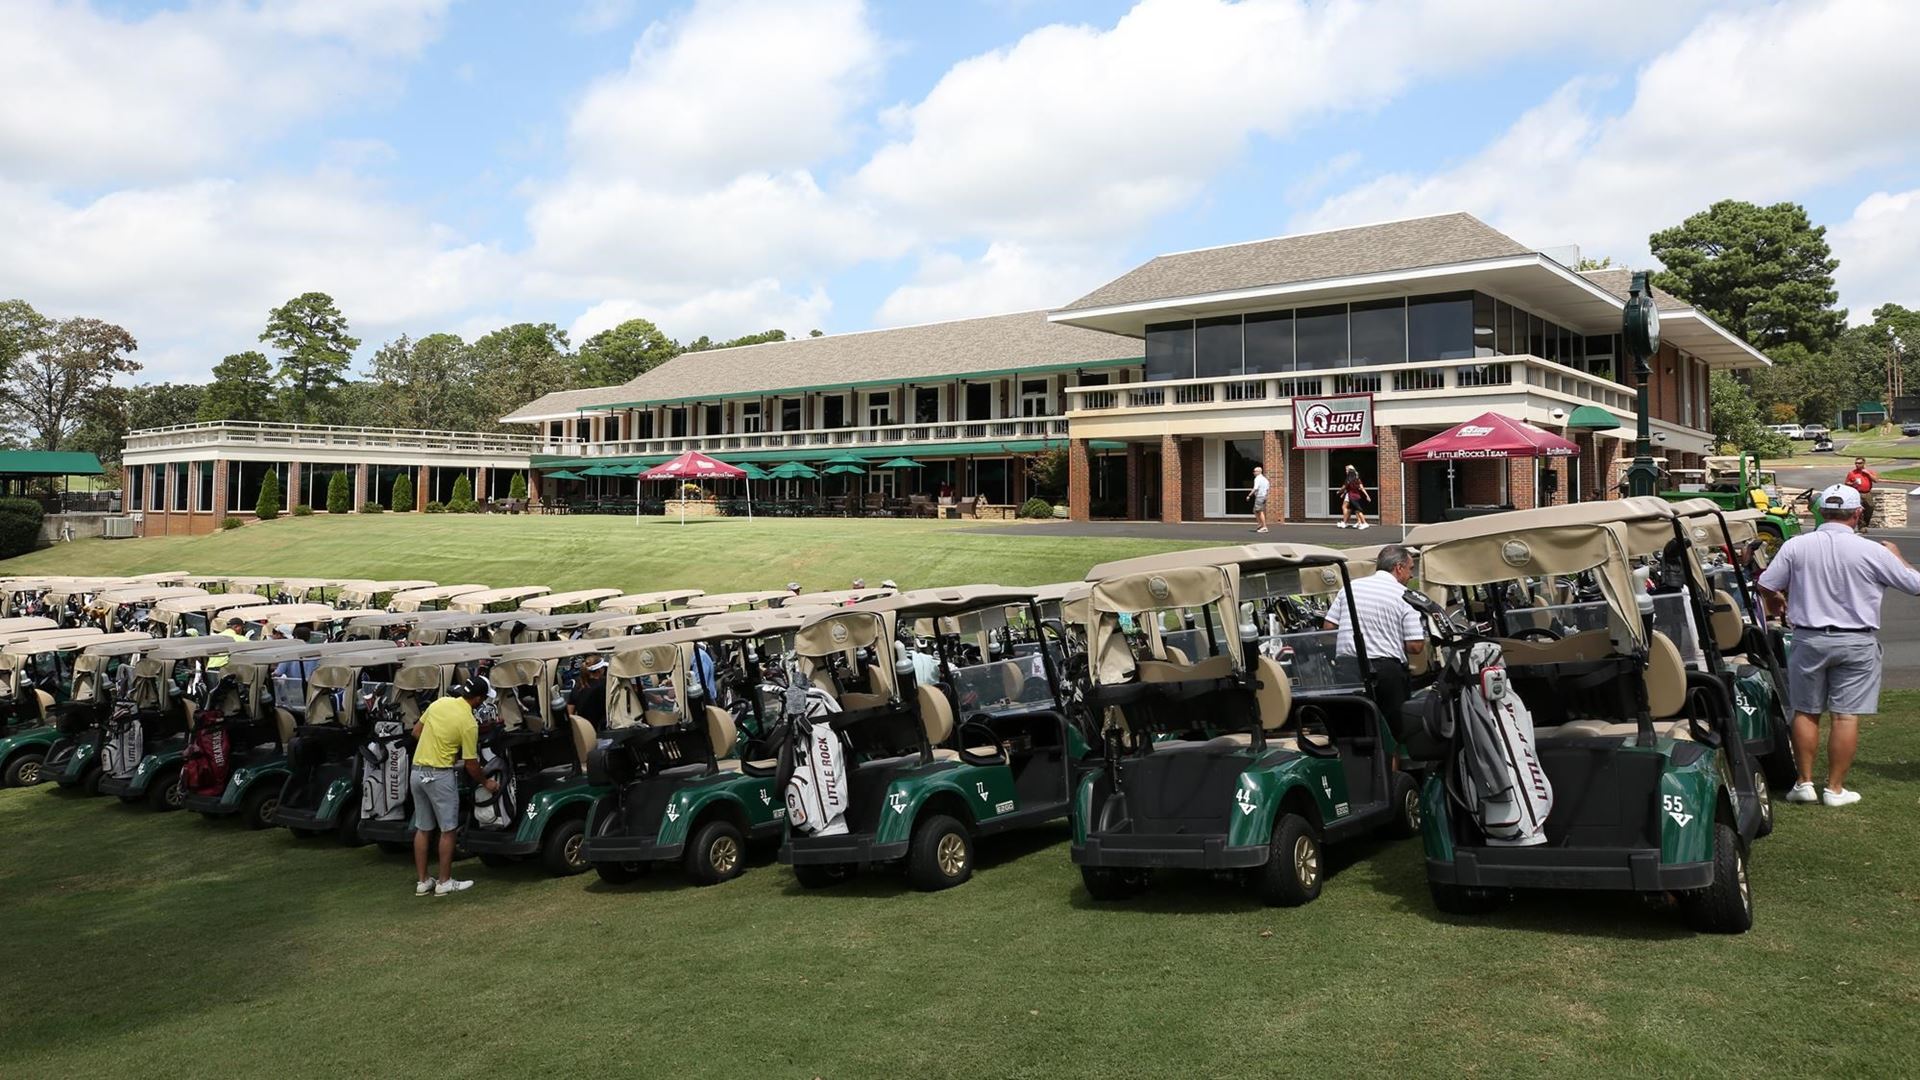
pixel 1802 793
pixel 1843 797
pixel 422 888
pixel 1362 525
pixel 450 886
pixel 1343 525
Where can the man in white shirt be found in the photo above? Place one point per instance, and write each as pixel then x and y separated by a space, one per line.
pixel 1389 625
pixel 1258 497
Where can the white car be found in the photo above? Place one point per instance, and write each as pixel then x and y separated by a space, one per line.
pixel 1791 431
pixel 1815 431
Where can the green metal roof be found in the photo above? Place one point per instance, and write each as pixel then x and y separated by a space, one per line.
pixel 823 453
pixel 48 463
pixel 898 380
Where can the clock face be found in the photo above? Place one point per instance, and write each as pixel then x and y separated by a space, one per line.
pixel 1642 327
pixel 1653 324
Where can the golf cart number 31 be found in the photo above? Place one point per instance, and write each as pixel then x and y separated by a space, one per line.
pixel 1676 808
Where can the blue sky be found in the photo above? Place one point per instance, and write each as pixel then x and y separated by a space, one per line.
pixel 724 166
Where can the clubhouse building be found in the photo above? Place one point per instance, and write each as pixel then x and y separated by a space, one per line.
pixel 1165 387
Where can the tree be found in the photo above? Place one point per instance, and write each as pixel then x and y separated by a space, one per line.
pixel 1765 273
pixel 339 494
pixel 316 351
pixel 267 506
pixel 518 363
pixel 517 490
pixel 22 330
pixel 60 371
pixel 761 338
pixel 242 388
pixel 1604 262
pixel 427 383
pixel 615 356
pixel 402 500
pixel 1736 420
pixel 115 411
pixel 462 500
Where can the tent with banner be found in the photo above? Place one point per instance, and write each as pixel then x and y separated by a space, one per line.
pixel 1489 436
pixel 694 465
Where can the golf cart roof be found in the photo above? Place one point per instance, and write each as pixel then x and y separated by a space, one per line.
pixel 27 624
pixel 191 648
pixel 1743 526
pixel 145 594
pixel 56 634
pixel 649 654
pixel 544 605
pixel 1249 557
pixel 366 590
pixel 569 621
pixel 436 659
pixel 389 618
pixel 1060 591
pixel 1544 517
pixel 927 603
pixel 35 646
pixel 124 645
pixel 264 654
pixel 322 583
pixel 163 577
pixel 512 594
pixel 181 605
pixel 248 584
pixel 758 623
pixel 835 597
pixel 664 598
pixel 409 599
pixel 547 650
pixel 299 613
pixel 456 620
pixel 754 598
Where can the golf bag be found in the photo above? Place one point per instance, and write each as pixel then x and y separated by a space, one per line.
pixel 208 763
pixel 816 780
pixel 122 743
pixel 1497 775
pixel 383 772
pixel 494 810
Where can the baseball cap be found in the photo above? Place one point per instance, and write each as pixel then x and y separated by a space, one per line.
pixel 285 628
pixel 888 584
pixel 597 663
pixel 1840 497
pixel 793 586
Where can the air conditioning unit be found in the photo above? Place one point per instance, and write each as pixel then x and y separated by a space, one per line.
pixel 120 528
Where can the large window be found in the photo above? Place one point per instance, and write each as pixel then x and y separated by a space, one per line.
pixel 1269 342
pixel 177 486
pixel 990 481
pixel 980 401
pixel 610 427
pixel 1379 332
pixel 750 417
pixel 1444 327
pixel 880 409
pixel 1034 398
pixel 926 405
pixel 1217 347
pixel 136 487
pixel 790 415
pixel 203 486
pixel 1320 337
pixel 1505 330
pixel 833 411
pixel 677 423
pixel 1169 352
pixel 1486 326
pixel 715 421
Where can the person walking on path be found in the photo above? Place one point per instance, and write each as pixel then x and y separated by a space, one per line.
pixel 1389 625
pixel 1258 497
pixel 1861 479
pixel 445 736
pixel 1353 501
pixel 1832 581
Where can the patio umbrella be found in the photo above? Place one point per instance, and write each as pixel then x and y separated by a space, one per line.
pixel 847 459
pixel 602 470
pixel 794 470
pixel 694 465
pixel 845 470
pixel 900 463
pixel 562 474
pixel 1487 436
pixel 755 472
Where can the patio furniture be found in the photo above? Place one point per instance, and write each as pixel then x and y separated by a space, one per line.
pixel 920 506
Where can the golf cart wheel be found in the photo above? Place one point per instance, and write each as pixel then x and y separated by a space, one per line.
pixel 1781 769
pixel 563 852
pixel 821 875
pixel 1111 883
pixel 1726 906
pixel 90 780
pixel 396 847
pixel 1407 812
pixel 347 829
pixel 940 855
pixel 1463 899
pixel 23 770
pixel 717 853
pixel 1765 794
pixel 258 808
pixel 166 792
pixel 1770 537
pixel 1294 869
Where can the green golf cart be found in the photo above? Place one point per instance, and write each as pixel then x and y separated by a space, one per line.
pixel 130 607
pixel 143 740
pixel 1737 482
pixel 103 678
pixel 36 678
pixel 199 615
pixel 384 799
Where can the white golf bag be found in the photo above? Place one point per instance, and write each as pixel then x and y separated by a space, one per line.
pixel 1497 773
pixel 817 790
pixel 122 749
pixel 383 772
pixel 494 810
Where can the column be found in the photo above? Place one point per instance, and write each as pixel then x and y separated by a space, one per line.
pixel 480 485
pixel 359 488
pixel 1080 479
pixel 1132 508
pixel 420 490
pixel 1296 508
pixel 1170 486
pixel 295 494
pixel 220 495
pixel 1391 488
pixel 533 488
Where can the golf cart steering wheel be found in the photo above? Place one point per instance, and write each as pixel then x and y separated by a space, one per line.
pixel 1537 633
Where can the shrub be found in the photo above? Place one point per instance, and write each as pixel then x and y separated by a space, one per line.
pixel 339 494
pixel 1036 508
pixel 19 526
pixel 402 494
pixel 303 510
pixel 517 489
pixel 436 508
pixel 462 500
pixel 231 523
pixel 267 506
pixel 371 507
pixel 692 491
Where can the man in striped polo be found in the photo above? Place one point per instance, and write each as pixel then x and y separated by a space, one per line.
pixel 1389 625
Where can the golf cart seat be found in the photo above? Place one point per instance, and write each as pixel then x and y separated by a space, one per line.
pixel 1729 629
pixel 936 717
pixel 1666 679
pixel 1273 699
pixel 584 738
pixel 286 722
pixel 1176 668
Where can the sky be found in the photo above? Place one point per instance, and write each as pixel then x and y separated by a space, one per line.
pixel 728 166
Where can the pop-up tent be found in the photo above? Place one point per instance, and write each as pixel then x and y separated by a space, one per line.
pixel 1487 436
pixel 694 465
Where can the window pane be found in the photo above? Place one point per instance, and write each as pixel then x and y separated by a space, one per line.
pixel 1170 351
pixel 1380 332
pixel 1320 336
pixel 1504 333
pixel 1217 347
pixel 1569 347
pixel 1239 457
pixel 1536 336
pixel 1269 342
pixel 1444 327
pixel 979 401
pixel 1552 343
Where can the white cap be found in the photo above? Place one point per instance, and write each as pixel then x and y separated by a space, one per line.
pixel 888 584
pixel 285 628
pixel 596 663
pixel 1840 497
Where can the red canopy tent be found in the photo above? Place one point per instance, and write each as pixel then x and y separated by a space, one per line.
pixel 694 465
pixel 1487 436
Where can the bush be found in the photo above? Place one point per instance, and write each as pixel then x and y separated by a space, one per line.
pixel 462 500
pixel 1036 508
pixel 19 526
pixel 517 489
pixel 231 523
pixel 402 494
pixel 267 506
pixel 436 508
pixel 371 507
pixel 339 494
pixel 303 510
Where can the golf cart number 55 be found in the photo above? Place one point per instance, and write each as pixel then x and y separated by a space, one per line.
pixel 1676 808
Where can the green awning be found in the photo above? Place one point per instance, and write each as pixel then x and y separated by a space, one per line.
pixel 1593 418
pixel 48 463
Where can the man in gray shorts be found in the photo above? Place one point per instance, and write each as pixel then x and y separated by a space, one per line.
pixel 1833 580
pixel 445 737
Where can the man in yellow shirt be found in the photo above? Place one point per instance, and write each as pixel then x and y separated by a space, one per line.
pixel 445 736
pixel 236 630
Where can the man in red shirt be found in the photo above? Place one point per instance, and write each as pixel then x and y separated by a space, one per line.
pixel 1861 481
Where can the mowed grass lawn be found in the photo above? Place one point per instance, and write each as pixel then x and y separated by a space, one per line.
pixel 148 945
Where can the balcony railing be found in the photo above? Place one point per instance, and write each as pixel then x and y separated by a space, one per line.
pixel 899 437
pixel 1390 382
pixel 256 433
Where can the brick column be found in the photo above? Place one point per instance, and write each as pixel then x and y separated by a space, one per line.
pixel 1193 490
pixel 533 487
pixel 1390 489
pixel 220 494
pixel 1296 481
pixel 1079 480
pixel 480 484
pixel 420 490
pixel 1133 482
pixel 1017 480
pixel 359 488
pixel 294 495
pixel 1171 489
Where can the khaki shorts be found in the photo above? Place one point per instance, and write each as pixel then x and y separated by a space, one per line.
pixel 1834 671
pixel 436 799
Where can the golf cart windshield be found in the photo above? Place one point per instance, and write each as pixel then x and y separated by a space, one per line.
pixel 994 658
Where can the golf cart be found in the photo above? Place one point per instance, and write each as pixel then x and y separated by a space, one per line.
pixel 1231 751
pixel 835 597
pixel 881 767
pixel 197 616
pixel 305 590
pixel 568 603
pixel 650 622
pixel 678 766
pixel 310 621
pixel 434 598
pixel 635 603
pixel 322 792
pixel 68 604
pixel 535 628
pixel 382 626
pixel 1739 483
pixel 752 600
pixel 36 678
pixel 129 607
pixel 539 754
pixel 236 756
pixel 385 802
pixel 376 594
pixel 465 627
pixel 1589 760
pixel 143 739
pixel 491 601
pixel 102 675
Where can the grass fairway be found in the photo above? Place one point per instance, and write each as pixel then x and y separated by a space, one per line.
pixel 153 945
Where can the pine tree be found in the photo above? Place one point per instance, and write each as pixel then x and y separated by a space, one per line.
pixel 518 489
pixel 462 501
pixel 267 507
pixel 339 494
pixel 402 495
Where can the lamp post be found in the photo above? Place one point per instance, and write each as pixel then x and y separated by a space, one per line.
pixel 1640 329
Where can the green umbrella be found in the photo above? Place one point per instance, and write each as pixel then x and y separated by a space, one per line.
pixel 794 470
pixel 562 474
pixel 602 470
pixel 755 472
pixel 900 463
pixel 847 470
pixel 847 459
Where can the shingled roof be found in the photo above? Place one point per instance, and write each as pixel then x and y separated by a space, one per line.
pixel 1288 260
pixel 1620 284
pixel 996 344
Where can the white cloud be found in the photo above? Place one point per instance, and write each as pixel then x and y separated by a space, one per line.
pixel 91 98
pixel 1006 277
pixel 1712 118
pixel 1879 252
pixel 723 313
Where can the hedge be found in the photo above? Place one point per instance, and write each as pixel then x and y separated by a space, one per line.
pixel 19 526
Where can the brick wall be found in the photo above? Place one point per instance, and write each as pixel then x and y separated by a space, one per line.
pixel 1296 480
pixel 1080 479
pixel 1171 489
pixel 360 479
pixel 1388 491
pixel 1479 482
pixel 1193 506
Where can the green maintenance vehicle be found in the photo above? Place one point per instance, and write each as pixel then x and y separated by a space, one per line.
pixel 1737 482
